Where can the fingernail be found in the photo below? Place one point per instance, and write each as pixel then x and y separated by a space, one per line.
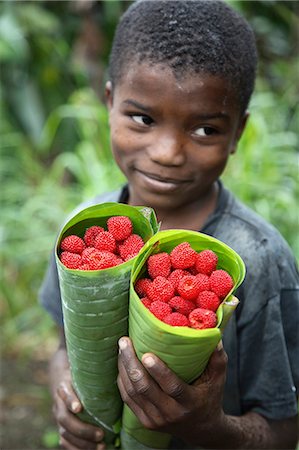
pixel 122 343
pixel 149 361
pixel 75 406
pixel 99 435
pixel 219 346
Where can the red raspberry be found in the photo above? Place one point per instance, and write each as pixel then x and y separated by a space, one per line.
pixel 73 244
pixel 183 256
pixel 160 309
pixel 159 265
pixel 141 286
pixel 189 287
pixel 86 253
pixel 84 266
pixel 176 320
pixel 91 233
pixel 204 282
pixel 201 318
pixel 208 300
pixel 105 241
pixel 221 283
pixel 206 262
pixel 146 301
pixel 180 305
pixel 160 289
pixel 100 259
pixel 176 276
pixel 120 227
pixel 70 260
pixel 131 247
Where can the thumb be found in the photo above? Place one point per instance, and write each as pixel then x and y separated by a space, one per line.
pixel 68 395
pixel 216 368
pixel 215 371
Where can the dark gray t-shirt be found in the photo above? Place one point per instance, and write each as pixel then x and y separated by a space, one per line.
pixel 262 337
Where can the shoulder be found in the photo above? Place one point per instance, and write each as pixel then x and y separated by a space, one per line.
pixel 251 235
pixel 270 265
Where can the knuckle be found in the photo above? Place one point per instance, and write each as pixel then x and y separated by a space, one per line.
pixel 142 389
pixel 175 390
pixel 135 375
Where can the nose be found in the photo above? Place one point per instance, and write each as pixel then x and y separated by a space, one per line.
pixel 168 150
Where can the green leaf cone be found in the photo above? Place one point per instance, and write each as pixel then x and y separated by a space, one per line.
pixel 186 351
pixel 95 312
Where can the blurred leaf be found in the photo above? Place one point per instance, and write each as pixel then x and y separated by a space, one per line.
pixel 50 438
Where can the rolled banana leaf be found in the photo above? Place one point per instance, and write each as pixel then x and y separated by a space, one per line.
pixel 185 350
pixel 95 313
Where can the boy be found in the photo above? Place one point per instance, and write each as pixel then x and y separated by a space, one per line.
pixel 181 76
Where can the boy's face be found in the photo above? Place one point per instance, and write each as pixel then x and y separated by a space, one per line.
pixel 172 138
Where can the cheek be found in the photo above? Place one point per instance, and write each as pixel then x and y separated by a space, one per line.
pixel 210 160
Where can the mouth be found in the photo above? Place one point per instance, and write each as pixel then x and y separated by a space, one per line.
pixel 160 184
pixel 162 179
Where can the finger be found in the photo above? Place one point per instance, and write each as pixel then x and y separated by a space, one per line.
pixel 75 426
pixel 168 381
pixel 134 382
pixel 140 412
pixel 217 364
pixel 139 391
pixel 67 445
pixel 76 442
pixel 66 392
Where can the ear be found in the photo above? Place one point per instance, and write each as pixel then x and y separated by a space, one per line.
pixel 241 127
pixel 109 95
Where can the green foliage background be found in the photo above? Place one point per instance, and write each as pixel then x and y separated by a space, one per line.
pixel 55 140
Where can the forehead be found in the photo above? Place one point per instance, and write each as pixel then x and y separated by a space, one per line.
pixel 158 81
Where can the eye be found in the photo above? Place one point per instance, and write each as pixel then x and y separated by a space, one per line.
pixel 204 131
pixel 141 119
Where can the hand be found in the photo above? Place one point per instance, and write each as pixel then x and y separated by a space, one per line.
pixel 163 402
pixel 74 434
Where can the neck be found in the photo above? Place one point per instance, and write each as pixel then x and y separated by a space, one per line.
pixel 190 216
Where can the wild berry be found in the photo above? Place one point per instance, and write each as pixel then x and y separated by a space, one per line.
pixel 206 262
pixel 183 256
pixel 120 227
pixel 201 318
pixel 180 305
pixel 141 286
pixel 176 276
pixel 160 289
pixel 71 260
pixel 160 309
pixel 221 283
pixel 131 246
pixel 189 287
pixel 90 235
pixel 203 282
pixel 208 300
pixel 176 320
pixel 159 265
pixel 105 241
pixel 73 244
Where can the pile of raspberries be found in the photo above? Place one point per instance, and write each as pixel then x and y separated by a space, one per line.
pixel 100 248
pixel 184 288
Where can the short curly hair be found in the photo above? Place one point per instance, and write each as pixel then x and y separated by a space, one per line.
pixel 190 36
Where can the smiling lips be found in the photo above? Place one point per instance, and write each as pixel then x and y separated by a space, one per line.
pixel 159 179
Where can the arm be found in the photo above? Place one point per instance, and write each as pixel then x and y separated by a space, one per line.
pixel 193 413
pixel 74 434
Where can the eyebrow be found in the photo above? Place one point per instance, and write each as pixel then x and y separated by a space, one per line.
pixel 218 115
pixel 137 105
